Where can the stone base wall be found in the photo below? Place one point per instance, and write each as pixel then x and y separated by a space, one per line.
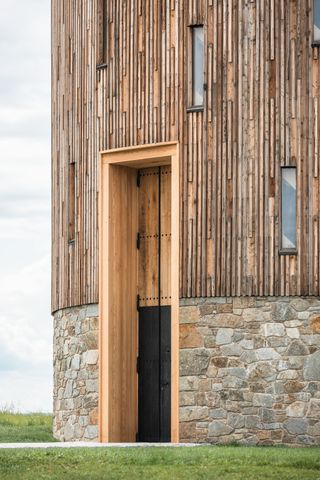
pixel 76 374
pixel 250 370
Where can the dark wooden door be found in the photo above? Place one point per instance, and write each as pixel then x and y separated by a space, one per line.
pixel 154 369
pixel 154 357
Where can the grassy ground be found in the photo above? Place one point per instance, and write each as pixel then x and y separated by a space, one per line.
pixel 200 463
pixel 207 463
pixel 15 427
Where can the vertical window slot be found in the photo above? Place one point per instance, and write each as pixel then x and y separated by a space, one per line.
pixel 71 203
pixel 105 31
pixel 197 65
pixel 316 21
pixel 102 34
pixel 289 208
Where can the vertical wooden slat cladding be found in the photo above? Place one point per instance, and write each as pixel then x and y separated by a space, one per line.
pixel 133 101
pixel 74 113
pixel 261 112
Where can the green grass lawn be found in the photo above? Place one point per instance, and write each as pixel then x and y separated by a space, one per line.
pixel 207 463
pixel 16 427
pixel 216 463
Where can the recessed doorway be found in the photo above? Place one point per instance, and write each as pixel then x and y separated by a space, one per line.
pixel 139 294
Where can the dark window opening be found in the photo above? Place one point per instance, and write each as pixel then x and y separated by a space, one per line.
pixel 103 34
pixel 288 209
pixel 72 203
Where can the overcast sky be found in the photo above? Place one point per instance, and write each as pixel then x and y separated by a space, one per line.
pixel 25 321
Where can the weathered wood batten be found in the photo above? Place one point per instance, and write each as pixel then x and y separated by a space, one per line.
pixel 261 112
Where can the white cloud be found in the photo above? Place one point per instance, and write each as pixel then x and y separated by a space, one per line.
pixel 25 329
pixel 31 392
pixel 24 166
pixel 25 321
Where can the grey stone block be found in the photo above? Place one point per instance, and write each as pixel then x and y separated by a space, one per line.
pixel 194 361
pixel 253 422
pixel 273 330
pixel 296 409
pixel 218 428
pixel 311 369
pixel 296 426
pixel 224 336
pixel 91 357
pixel 188 414
pixel 263 400
pixel 91 432
pixel 297 348
pixel 235 420
pixel 314 409
pixel 268 354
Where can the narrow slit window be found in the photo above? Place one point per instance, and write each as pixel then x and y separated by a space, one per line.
pixel 102 33
pixel 316 21
pixel 289 208
pixel 105 31
pixel 71 203
pixel 197 65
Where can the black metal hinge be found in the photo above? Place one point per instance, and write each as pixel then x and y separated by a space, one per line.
pixel 138 241
pixel 138 178
pixel 138 365
pixel 101 66
pixel 138 302
pixel 137 437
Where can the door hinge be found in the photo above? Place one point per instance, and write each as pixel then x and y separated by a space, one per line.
pixel 138 241
pixel 138 178
pixel 137 437
pixel 138 302
pixel 138 365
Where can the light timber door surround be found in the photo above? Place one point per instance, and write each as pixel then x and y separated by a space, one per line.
pixel 118 280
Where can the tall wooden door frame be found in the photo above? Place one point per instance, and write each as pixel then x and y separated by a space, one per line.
pixel 131 159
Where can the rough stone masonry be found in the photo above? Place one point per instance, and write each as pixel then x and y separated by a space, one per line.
pixel 250 370
pixel 76 374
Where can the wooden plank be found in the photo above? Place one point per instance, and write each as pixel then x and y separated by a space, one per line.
pixel 122 318
pixel 148 228
pixel 261 111
pixel 165 221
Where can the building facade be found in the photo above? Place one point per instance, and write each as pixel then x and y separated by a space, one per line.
pixel 186 220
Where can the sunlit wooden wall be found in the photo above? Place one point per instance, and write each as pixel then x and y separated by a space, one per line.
pixel 261 112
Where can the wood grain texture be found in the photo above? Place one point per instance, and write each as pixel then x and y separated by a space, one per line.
pixel 120 340
pixel 261 112
pixel 150 226
pixel 118 274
